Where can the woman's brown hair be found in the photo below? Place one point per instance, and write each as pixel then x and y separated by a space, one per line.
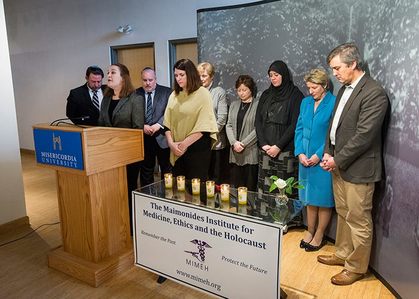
pixel 247 81
pixel 127 87
pixel 193 81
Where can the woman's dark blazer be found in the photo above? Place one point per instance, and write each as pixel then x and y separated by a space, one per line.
pixel 128 113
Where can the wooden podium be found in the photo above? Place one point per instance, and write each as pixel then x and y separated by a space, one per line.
pixel 92 200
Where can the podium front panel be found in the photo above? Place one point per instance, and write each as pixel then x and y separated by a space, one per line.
pixel 59 148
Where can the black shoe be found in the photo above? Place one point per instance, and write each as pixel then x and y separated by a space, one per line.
pixel 161 279
pixel 310 247
pixel 304 244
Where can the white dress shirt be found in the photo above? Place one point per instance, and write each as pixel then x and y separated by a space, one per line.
pixel 343 100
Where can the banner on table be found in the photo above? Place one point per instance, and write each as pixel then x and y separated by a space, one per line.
pixel 227 255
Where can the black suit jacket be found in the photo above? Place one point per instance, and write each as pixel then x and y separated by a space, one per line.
pixel 79 103
pixel 161 96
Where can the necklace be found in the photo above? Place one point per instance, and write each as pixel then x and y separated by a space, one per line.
pixel 244 105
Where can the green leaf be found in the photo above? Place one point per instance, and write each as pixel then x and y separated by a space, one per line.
pixel 272 187
pixel 290 180
pixel 291 183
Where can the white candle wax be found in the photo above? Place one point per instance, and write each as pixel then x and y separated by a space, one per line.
pixel 196 186
pixel 180 183
pixel 168 180
pixel 225 192
pixel 242 192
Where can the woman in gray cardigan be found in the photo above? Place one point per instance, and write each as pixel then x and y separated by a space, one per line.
pixel 219 170
pixel 241 134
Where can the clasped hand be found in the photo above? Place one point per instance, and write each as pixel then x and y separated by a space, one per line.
pixel 328 163
pixel 178 148
pixel 271 150
pixel 238 147
pixel 150 130
pixel 308 162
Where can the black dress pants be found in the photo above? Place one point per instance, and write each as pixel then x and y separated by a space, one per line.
pixel 133 170
pixel 152 150
pixel 245 176
pixel 219 170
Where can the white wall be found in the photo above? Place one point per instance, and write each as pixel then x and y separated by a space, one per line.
pixel 12 201
pixel 53 41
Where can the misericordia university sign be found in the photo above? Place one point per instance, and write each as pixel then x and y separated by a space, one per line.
pixel 58 148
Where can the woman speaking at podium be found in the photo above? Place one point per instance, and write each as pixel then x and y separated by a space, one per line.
pixel 123 108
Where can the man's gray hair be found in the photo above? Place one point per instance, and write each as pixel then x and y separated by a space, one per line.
pixel 348 53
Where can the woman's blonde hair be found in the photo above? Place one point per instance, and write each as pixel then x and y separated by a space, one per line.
pixel 318 76
pixel 208 67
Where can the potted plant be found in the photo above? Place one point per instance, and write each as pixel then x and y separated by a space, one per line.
pixel 280 211
pixel 284 187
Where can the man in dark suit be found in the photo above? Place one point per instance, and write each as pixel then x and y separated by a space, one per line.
pixel 353 153
pixel 155 143
pixel 85 100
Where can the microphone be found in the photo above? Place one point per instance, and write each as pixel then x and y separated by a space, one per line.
pixel 62 120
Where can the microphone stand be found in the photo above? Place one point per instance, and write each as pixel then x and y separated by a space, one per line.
pixel 62 120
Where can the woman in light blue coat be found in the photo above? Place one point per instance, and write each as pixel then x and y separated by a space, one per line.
pixel 310 134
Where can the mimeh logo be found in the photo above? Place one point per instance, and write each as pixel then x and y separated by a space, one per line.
pixel 201 246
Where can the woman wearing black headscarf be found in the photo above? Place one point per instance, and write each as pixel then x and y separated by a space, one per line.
pixel 276 119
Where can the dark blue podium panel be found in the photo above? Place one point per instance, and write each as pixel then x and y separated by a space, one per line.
pixel 59 148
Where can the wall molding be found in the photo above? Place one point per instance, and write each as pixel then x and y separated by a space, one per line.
pixel 14 225
pixel 27 151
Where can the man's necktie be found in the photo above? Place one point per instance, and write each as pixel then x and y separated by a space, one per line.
pixel 95 99
pixel 149 109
